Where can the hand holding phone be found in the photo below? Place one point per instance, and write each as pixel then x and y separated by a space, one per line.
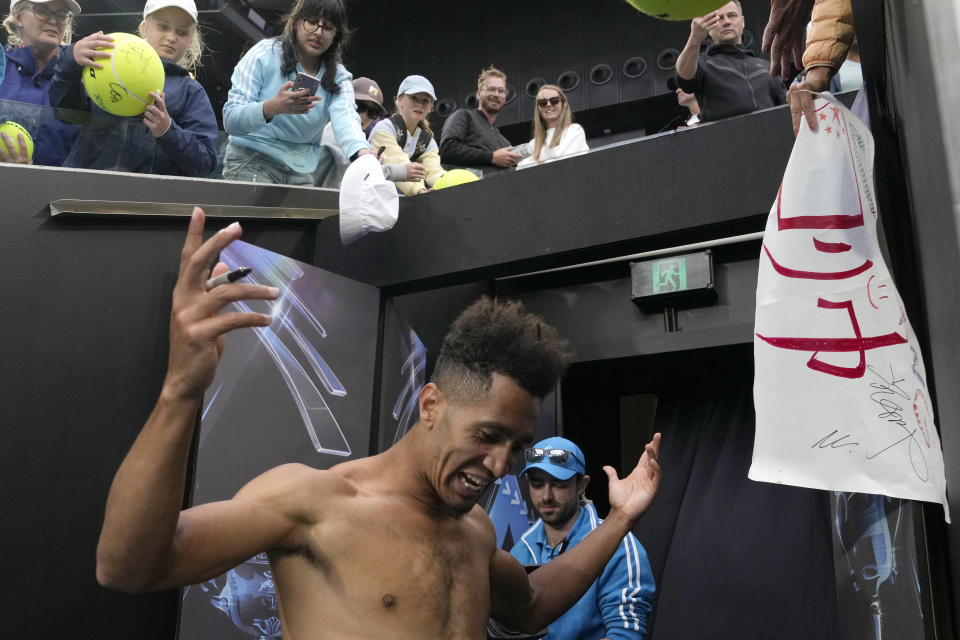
pixel 289 100
pixel 306 81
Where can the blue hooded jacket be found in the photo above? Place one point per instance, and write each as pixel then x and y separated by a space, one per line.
pixel 20 82
pixel 188 147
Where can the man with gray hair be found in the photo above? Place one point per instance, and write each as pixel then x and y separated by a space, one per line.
pixel 727 78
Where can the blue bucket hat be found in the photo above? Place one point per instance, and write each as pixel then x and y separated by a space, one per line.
pixel 561 466
pixel 416 84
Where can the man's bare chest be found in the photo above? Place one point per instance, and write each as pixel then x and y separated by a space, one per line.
pixel 406 573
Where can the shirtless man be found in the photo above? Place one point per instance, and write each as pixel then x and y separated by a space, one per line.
pixel 391 546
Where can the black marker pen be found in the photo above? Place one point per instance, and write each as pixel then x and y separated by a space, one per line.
pixel 228 277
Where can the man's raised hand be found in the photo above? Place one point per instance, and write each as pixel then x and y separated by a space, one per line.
pixel 633 494
pixel 700 27
pixel 197 327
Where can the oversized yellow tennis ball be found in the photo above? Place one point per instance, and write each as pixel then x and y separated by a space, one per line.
pixel 128 76
pixel 677 9
pixel 455 177
pixel 12 128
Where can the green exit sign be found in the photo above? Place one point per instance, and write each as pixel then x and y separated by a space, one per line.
pixel 669 275
pixel 680 282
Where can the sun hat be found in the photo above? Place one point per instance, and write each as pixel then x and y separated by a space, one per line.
pixel 368 202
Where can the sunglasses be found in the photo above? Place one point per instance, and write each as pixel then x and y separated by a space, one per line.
pixel 370 109
pixel 555 100
pixel 559 457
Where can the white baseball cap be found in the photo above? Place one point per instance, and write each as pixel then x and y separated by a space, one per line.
pixel 368 202
pixel 416 84
pixel 155 5
pixel 71 4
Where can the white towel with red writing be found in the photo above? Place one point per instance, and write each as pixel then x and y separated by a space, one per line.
pixel 840 388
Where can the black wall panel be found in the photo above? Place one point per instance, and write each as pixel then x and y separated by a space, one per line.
pixel 618 53
pixel 600 63
pixel 634 66
pixel 567 40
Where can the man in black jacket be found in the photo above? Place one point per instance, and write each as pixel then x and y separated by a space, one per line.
pixel 469 137
pixel 727 78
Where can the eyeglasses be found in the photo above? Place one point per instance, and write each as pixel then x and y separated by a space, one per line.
pixel 498 90
pixel 312 26
pixel 555 100
pixel 44 14
pixel 559 457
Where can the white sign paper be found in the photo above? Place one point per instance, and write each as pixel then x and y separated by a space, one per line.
pixel 840 388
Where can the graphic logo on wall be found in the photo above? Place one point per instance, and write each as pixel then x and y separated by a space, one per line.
pixel 414 373
pixel 289 341
pixel 508 511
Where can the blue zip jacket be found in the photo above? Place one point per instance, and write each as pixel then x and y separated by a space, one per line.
pixel 293 139
pixel 20 82
pixel 616 604
pixel 187 148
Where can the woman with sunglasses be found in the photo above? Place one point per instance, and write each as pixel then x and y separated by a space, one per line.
pixel 39 31
pixel 555 135
pixel 275 129
pixel 411 156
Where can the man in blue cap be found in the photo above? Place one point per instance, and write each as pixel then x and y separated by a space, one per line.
pixel 617 604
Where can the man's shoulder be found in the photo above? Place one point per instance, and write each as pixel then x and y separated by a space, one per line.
pixel 524 544
pixel 467 114
pixel 295 478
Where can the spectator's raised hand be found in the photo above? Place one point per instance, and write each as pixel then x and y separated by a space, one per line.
pixel 783 38
pixel 19 153
pixel 156 117
pixel 700 27
pixel 506 158
pixel 287 101
pixel 85 51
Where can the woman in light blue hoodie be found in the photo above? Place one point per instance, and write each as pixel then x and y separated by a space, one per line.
pixel 275 131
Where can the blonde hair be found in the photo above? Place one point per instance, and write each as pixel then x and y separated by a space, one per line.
pixel 486 73
pixel 540 130
pixel 423 124
pixel 191 57
pixel 13 29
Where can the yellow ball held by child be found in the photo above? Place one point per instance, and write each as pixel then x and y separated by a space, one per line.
pixel 128 76
pixel 677 9
pixel 12 128
pixel 455 177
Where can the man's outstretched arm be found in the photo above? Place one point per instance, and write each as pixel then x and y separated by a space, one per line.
pixel 687 60
pixel 531 602
pixel 143 533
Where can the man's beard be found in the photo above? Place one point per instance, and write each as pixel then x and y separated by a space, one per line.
pixel 561 517
pixel 490 107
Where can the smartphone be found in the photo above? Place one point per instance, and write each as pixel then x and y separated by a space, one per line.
pixel 306 81
pixel 522 149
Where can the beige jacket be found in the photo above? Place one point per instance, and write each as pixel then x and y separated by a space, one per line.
pixel 830 35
